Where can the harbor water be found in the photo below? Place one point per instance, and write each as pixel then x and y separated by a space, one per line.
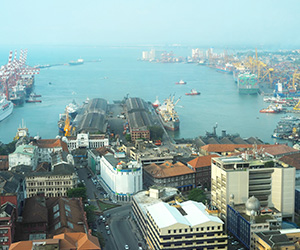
pixel 120 73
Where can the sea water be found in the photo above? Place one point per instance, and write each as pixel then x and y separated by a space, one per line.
pixel 119 74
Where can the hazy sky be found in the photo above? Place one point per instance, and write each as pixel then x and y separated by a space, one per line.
pixel 131 22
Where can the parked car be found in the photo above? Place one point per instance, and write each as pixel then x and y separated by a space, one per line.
pixel 108 232
pixel 126 247
pixel 107 227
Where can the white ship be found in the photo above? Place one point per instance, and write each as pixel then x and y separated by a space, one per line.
pixel 6 107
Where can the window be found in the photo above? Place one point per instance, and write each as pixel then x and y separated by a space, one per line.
pixel 55 208
pixel 56 215
pixel 70 225
pixel 57 226
pixel 67 207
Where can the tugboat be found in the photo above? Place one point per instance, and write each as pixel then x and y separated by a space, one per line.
pixel 193 92
pixel 156 104
pixel 181 82
pixel 32 98
pixel 272 109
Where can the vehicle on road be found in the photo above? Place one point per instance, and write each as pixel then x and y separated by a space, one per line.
pixel 126 247
pixel 108 232
pixel 107 227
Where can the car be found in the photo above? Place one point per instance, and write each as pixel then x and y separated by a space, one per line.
pixel 140 248
pixel 235 243
pixel 107 227
pixel 107 215
pixel 126 247
pixel 108 232
pixel 101 217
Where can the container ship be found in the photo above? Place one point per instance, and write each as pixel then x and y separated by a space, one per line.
pixel 248 84
pixel 227 68
pixel 168 115
pixel 6 107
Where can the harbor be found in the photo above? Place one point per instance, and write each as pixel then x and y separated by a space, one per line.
pixel 197 114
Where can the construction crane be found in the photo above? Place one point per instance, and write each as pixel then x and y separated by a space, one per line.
pixel 296 77
pixel 68 126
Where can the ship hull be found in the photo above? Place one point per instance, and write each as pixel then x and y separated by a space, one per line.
pixel 170 125
pixel 6 110
pixel 249 91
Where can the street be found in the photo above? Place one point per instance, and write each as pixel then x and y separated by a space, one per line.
pixel 122 230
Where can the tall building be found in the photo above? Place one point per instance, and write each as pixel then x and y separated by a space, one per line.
pixel 271 182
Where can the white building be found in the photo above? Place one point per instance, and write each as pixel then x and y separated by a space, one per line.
pixel 121 176
pixel 24 155
pixel 86 140
pixel 176 224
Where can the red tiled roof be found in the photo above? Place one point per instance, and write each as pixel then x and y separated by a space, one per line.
pixel 167 169
pixel 78 240
pixel 293 160
pixel 278 149
pixel 51 143
pixel 202 161
pixel 225 147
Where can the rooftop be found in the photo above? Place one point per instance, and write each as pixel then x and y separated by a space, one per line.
pixel 167 169
pixel 165 215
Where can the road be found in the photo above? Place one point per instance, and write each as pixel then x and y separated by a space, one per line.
pixel 122 228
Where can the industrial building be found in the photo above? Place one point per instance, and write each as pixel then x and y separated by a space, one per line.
pixel 138 118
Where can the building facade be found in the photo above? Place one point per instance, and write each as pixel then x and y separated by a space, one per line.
pixel 8 217
pixel 52 184
pixel 122 176
pixel 168 174
pixel 87 140
pixel 271 182
pixel 24 155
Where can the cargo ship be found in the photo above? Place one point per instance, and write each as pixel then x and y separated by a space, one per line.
pixel 247 84
pixel 225 68
pixel 78 62
pixel 6 107
pixel 17 95
pixel 168 115
pixel 72 109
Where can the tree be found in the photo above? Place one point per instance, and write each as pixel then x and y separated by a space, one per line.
pixel 90 213
pixel 128 137
pixel 156 132
pixel 77 192
pixel 197 194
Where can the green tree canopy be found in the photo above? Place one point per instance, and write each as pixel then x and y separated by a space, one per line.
pixel 198 195
pixel 77 192
pixel 156 132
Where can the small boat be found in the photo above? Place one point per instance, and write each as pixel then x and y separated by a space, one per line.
pixel 181 82
pixel 272 109
pixel 50 83
pixel 193 92
pixel 156 104
pixel 32 98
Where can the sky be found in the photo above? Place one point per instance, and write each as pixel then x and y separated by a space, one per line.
pixel 150 22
